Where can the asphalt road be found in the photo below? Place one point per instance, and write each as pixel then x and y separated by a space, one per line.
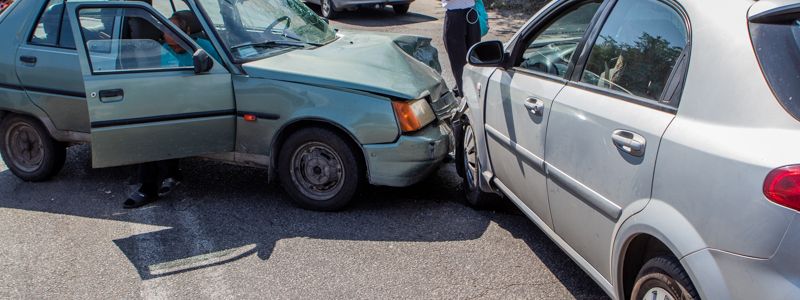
pixel 227 234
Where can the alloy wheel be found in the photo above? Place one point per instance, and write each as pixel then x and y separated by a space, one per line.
pixel 470 157
pixel 326 8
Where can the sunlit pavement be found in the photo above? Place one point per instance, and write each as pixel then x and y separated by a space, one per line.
pixel 227 234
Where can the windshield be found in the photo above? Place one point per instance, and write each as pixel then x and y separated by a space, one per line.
pixel 253 29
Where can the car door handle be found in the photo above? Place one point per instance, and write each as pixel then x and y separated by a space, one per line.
pixel 114 95
pixel 629 142
pixel 28 59
pixel 535 106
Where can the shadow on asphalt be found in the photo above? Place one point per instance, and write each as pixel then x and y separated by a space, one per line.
pixel 224 213
pixel 371 17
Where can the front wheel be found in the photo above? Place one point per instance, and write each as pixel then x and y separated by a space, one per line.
pixel 663 277
pixel 319 169
pixel 401 9
pixel 467 157
pixel 29 151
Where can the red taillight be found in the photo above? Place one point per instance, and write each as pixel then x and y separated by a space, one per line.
pixel 782 186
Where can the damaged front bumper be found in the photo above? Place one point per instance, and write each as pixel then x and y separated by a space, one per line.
pixel 411 158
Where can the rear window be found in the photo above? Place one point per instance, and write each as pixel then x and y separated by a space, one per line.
pixel 777 44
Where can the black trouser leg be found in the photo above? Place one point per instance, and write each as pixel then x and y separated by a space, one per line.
pixel 149 178
pixel 459 36
pixel 172 169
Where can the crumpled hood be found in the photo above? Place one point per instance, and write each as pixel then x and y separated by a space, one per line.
pixel 372 62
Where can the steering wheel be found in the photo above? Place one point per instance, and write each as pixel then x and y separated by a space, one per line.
pixel 278 21
pixel 544 64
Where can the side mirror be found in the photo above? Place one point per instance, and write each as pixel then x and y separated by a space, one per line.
pixel 487 54
pixel 202 62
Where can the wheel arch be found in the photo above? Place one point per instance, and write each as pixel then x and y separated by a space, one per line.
pixel 293 126
pixel 659 229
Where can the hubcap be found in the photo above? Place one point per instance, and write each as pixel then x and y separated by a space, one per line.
pixel 657 293
pixel 317 171
pixel 24 146
pixel 326 7
pixel 470 157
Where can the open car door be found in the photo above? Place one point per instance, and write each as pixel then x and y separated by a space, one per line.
pixel 146 101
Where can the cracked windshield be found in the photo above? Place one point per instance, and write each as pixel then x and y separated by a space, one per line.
pixel 253 29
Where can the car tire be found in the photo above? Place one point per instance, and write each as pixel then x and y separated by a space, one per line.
pixel 328 9
pixel 663 275
pixel 467 156
pixel 319 169
pixel 401 9
pixel 28 149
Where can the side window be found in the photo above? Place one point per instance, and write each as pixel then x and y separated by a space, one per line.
pixel 551 50
pixel 169 7
pixel 143 43
pixel 637 48
pixel 5 4
pixel 52 28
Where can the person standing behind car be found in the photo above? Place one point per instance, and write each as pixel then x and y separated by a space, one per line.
pixel 461 31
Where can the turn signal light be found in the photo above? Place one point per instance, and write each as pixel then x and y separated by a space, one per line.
pixel 413 115
pixel 250 117
pixel 782 186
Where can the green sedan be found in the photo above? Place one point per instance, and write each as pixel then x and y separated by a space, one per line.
pixel 262 83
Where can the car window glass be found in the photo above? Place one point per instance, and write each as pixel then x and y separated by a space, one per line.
pixel 553 48
pixel 180 5
pixel 637 48
pixel 49 24
pixel 143 43
pixel 4 5
pixel 168 7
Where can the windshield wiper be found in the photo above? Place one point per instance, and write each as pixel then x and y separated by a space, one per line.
pixel 292 36
pixel 270 43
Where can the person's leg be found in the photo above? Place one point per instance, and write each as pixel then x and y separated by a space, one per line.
pixel 473 32
pixel 173 167
pixel 455 43
pixel 172 177
pixel 149 178
pixel 148 191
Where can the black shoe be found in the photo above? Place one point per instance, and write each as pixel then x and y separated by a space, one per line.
pixel 138 199
pixel 168 186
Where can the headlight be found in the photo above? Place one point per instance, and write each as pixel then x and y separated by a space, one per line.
pixel 413 115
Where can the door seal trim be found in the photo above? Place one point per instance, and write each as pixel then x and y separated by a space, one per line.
pixel 163 118
pixel 584 193
pixel 536 161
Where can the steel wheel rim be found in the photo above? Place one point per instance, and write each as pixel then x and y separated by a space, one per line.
pixel 470 157
pixel 317 171
pixel 25 147
pixel 326 7
pixel 657 293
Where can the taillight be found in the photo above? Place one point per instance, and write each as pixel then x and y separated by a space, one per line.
pixel 782 186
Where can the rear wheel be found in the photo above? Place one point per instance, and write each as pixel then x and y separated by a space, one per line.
pixel 29 151
pixel 470 164
pixel 328 9
pixel 401 9
pixel 319 169
pixel 662 278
